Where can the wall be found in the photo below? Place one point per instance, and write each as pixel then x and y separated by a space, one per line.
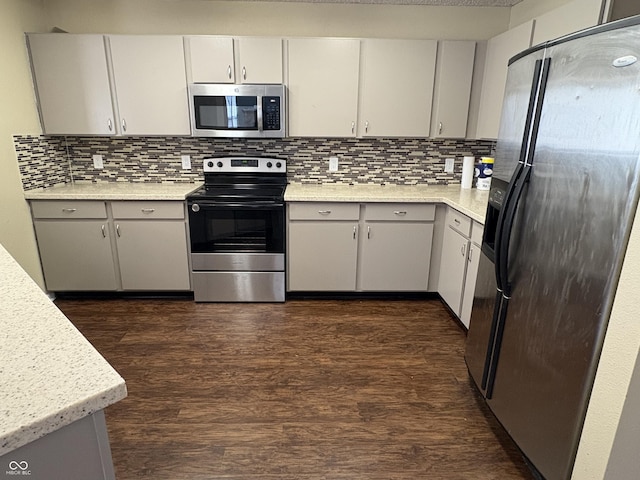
pixel 530 9
pixel 19 116
pixel 276 18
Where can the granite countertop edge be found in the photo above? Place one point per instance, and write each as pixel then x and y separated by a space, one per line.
pixel 113 191
pixel 471 202
pixel 52 374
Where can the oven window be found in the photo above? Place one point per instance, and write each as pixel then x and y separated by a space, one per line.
pixel 226 112
pixel 215 229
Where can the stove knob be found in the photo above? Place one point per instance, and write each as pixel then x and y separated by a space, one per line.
pixel 210 164
pixel 269 164
pixel 219 164
pixel 195 207
pixel 278 165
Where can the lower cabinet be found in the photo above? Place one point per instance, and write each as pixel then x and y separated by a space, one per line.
pixel 459 263
pixel 359 247
pixel 112 246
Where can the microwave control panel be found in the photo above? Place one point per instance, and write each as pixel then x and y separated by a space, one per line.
pixel 271 113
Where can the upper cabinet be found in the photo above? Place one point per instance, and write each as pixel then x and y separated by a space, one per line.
pixel 72 84
pixel 147 94
pixel 499 50
pixel 454 73
pixel 150 84
pixel 323 87
pixel 568 18
pixel 385 109
pixel 215 59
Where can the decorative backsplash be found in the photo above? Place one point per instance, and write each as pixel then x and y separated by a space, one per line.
pixel 45 161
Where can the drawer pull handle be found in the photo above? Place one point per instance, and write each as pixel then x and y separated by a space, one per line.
pixel 463 250
pixel 244 73
pixel 104 234
pixel 400 212
pixel 148 210
pixel 470 255
pixel 229 72
pixel 118 230
pixel 324 212
pixel 124 125
pixel 368 232
pixel 456 221
pixel 354 232
pixel 69 210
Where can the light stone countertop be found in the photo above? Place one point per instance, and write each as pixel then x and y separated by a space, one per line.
pixel 471 202
pixel 113 191
pixel 50 375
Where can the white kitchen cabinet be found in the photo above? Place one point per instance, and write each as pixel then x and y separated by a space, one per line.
pixel 351 247
pixel 395 247
pixel 322 246
pixel 216 59
pixel 459 262
pixel 566 19
pixel 452 91
pixel 113 246
pixel 72 84
pixel 152 245
pixel 323 86
pixel 74 240
pixel 150 84
pixel 386 108
pixel 499 50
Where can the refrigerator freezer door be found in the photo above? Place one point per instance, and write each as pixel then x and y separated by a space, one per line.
pixel 567 246
pixel 521 81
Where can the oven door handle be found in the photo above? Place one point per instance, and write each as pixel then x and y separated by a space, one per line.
pixel 237 205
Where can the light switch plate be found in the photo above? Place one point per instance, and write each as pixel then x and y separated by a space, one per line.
pixel 448 165
pixel 186 162
pixel 97 161
pixel 333 164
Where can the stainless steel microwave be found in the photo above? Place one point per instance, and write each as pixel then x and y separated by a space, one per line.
pixel 225 110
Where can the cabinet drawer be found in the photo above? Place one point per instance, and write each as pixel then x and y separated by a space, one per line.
pixel 68 209
pixel 400 211
pixel 476 233
pixel 324 211
pixel 459 222
pixel 153 209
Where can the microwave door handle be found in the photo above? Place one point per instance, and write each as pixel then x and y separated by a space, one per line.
pixel 259 111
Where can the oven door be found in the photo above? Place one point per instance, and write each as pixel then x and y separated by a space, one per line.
pixel 237 236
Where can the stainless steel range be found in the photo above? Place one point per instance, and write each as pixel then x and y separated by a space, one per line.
pixel 237 229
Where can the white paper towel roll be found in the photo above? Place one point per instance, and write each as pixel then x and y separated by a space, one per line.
pixel 468 166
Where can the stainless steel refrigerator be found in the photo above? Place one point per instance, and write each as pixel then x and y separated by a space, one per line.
pixel 562 200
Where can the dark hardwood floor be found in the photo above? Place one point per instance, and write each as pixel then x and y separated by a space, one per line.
pixel 305 390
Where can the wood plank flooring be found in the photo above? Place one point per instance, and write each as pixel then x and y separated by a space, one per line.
pixel 305 390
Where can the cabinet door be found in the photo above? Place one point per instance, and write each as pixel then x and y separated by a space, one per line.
pixel 210 59
pixel 153 254
pixel 453 89
pixel 473 260
pixel 389 108
pixel 260 59
pixel 322 256
pixel 72 84
pixel 395 256
pixel 323 87
pixel 76 255
pixel 499 50
pixel 452 268
pixel 150 84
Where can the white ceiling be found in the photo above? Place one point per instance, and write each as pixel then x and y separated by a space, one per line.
pixel 448 3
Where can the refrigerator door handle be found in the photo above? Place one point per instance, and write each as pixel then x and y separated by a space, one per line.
pixel 500 280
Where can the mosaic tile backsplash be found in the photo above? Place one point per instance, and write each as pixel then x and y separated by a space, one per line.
pixel 45 161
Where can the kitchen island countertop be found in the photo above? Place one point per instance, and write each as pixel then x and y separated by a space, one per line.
pixel 471 202
pixel 113 191
pixel 50 374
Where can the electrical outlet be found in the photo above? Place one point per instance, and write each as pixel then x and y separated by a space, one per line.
pixel 186 162
pixel 97 161
pixel 333 164
pixel 448 165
